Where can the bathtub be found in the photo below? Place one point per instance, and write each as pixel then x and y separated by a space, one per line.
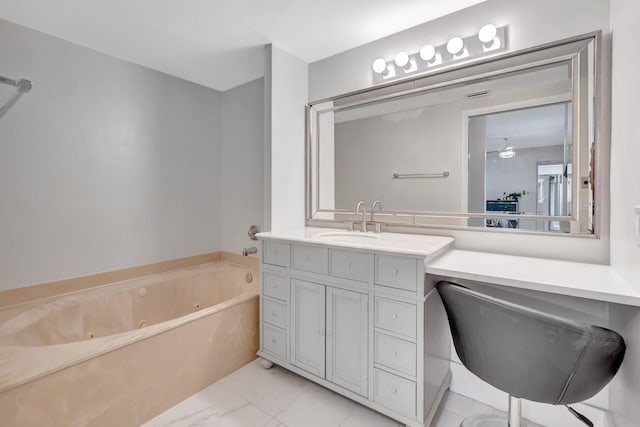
pixel 121 353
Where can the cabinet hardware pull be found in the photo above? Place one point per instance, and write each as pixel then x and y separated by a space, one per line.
pixel 273 341
pixel 394 316
pixel 394 271
pixel 306 257
pixel 274 313
pixel 394 390
pixel 329 333
pixel 347 264
pixel 321 331
pixel 395 354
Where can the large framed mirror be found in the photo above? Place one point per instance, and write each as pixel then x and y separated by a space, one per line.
pixel 504 144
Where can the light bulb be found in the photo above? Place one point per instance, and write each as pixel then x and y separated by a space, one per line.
pixel 427 52
pixel 455 45
pixel 379 66
pixel 487 33
pixel 401 59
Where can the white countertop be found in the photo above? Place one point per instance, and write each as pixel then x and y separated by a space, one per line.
pixel 592 281
pixel 404 244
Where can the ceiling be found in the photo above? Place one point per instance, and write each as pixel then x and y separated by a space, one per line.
pixel 218 43
pixel 527 128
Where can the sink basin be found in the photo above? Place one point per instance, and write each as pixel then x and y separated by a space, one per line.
pixel 348 236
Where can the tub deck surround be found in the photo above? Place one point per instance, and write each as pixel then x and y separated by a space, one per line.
pixel 44 290
pixel 145 343
pixel 590 281
pixel 356 315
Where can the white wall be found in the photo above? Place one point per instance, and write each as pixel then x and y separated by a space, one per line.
pixel 103 165
pixel 625 194
pixel 530 24
pixel 289 81
pixel 242 166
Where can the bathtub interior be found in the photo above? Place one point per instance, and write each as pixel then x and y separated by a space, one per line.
pixel 125 306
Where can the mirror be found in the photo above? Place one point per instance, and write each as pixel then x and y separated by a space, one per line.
pixel 504 144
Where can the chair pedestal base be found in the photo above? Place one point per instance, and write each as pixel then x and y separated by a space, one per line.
pixel 513 418
pixel 490 421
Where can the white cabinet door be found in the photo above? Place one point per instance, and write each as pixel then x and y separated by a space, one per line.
pixel 308 326
pixel 347 334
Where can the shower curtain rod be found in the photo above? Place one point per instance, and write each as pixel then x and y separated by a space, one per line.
pixel 23 86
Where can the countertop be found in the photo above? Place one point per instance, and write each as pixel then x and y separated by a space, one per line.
pixel 592 281
pixel 396 243
pixel 583 280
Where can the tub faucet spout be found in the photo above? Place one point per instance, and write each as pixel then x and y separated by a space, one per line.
pixel 249 251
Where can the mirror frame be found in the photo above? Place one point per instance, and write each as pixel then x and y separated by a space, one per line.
pixel 569 49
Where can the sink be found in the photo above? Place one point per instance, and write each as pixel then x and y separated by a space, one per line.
pixel 348 236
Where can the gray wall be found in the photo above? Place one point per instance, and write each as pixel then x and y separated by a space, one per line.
pixel 425 140
pixel 103 165
pixel 242 165
pixel 530 24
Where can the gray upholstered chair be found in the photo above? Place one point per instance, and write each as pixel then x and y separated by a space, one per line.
pixel 527 353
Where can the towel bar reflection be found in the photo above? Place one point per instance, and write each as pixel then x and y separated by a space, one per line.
pixel 443 174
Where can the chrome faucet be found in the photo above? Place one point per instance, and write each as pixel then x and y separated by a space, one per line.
pixel 359 206
pixel 377 226
pixel 377 203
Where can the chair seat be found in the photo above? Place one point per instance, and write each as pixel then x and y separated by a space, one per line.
pixel 528 353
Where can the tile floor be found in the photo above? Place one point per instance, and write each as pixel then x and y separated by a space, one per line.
pixel 257 397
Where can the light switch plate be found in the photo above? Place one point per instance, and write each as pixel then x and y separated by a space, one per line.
pixel 636 224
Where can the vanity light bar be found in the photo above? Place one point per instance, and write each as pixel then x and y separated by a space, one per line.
pixel 488 41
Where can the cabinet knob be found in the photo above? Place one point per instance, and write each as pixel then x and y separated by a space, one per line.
pixel 347 264
pixel 394 271
pixel 394 316
pixel 329 333
pixel 274 313
pixel 306 257
pixel 321 331
pixel 273 341
pixel 275 253
pixel 394 390
pixel 394 354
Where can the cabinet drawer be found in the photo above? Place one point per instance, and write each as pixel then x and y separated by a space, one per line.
pixel 276 253
pixel 349 265
pixel 394 393
pixel 310 258
pixel 395 316
pixel 395 353
pixel 396 272
pixel 275 286
pixel 274 341
pixel 274 313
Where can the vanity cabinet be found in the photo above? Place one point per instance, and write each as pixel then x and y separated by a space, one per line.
pixel 329 334
pixel 360 322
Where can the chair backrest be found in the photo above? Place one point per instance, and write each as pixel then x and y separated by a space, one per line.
pixel 528 353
